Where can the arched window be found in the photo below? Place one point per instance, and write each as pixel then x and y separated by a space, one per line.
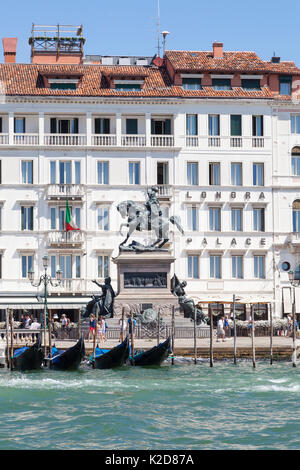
pixel 296 216
pixel 296 161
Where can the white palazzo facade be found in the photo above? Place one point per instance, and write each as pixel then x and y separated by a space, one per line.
pixel 229 167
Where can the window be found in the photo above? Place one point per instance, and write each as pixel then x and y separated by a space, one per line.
pixel 0 266
pixel 65 172
pixel 65 264
pixel 53 218
pixel 259 267
pixel 221 83
pixel 64 126
pixel 215 266
pixel 285 84
pixel 27 264
pixel 237 267
pixel 103 266
pixel 77 266
pixel 134 172
pixel 77 216
pixel 102 126
pixel 102 172
pixel 191 83
pixel 192 173
pixel 62 86
pixel 192 218
pixel 52 172
pixel 77 173
pixel 19 125
pixel 214 124
pixel 27 172
pixel 192 124
pixel 214 174
pixel 237 219
pixel 258 174
pixel 215 219
pixel 295 124
pixel 161 126
pixel 62 217
pixel 128 87
pixel 296 216
pixel 259 219
pixel 257 126
pixel 251 84
pixel 103 218
pixel 193 266
pixel 235 125
pixel 236 174
pixel 131 126
pixel 162 173
pixel 0 217
pixel 296 166
pixel 26 218
pixel 1 125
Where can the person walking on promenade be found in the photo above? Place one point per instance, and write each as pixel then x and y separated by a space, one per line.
pixel 92 326
pixel 101 329
pixel 123 327
pixel 220 329
pixel 226 326
pixel 129 325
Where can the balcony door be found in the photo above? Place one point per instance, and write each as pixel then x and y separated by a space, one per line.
pixel 65 172
pixel 162 173
pixel 65 263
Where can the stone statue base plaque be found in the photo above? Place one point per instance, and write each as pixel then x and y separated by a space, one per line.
pixel 144 280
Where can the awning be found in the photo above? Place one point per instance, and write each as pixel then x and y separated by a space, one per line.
pixel 31 303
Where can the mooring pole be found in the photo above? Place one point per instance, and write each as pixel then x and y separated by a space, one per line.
pixel 271 334
pixel 211 353
pixel 11 319
pixel 50 339
pixel 234 330
pixel 252 336
pixel 122 326
pixel 7 338
pixel 173 333
pixel 95 335
pixel 158 326
pixel 294 357
pixel 132 334
pixel 195 338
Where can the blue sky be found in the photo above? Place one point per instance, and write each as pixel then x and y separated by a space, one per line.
pixel 129 27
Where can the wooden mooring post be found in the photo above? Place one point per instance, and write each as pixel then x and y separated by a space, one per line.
pixel 195 338
pixel 271 333
pixel 122 326
pixel 234 330
pixel 7 338
pixel 95 335
pixel 211 352
pixel 173 334
pixel 294 356
pixel 132 334
pixel 158 326
pixel 253 336
pixel 50 339
pixel 11 322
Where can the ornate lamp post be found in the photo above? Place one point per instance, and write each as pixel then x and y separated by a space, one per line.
pixel 294 283
pixel 45 279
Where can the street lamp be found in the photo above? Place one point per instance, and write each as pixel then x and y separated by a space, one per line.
pixel 294 283
pixel 45 279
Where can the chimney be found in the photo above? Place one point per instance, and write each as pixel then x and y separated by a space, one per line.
pixel 10 49
pixel 218 50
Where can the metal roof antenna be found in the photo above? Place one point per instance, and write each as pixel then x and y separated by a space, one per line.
pixel 158 28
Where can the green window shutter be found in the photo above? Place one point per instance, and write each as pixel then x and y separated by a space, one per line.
pixel 168 126
pixel 75 125
pixel 131 126
pixel 236 124
pixel 152 127
pixel 53 125
pixel 97 126
pixel 106 126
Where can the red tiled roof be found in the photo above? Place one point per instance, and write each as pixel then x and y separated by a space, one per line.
pixel 27 79
pixel 201 61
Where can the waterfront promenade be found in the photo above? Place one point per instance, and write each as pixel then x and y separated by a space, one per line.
pixel 282 347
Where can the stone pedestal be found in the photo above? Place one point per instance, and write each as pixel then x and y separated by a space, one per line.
pixel 144 280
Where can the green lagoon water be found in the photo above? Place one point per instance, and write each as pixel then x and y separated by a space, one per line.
pixel 184 406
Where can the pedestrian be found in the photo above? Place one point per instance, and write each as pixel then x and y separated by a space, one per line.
pixel 226 326
pixel 220 329
pixel 92 326
pixel 27 322
pixel 101 328
pixel 249 325
pixel 123 327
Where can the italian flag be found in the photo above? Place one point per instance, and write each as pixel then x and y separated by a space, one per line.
pixel 70 222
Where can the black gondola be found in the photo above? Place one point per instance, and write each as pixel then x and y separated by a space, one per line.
pixel 153 357
pixel 116 357
pixel 28 358
pixel 69 359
